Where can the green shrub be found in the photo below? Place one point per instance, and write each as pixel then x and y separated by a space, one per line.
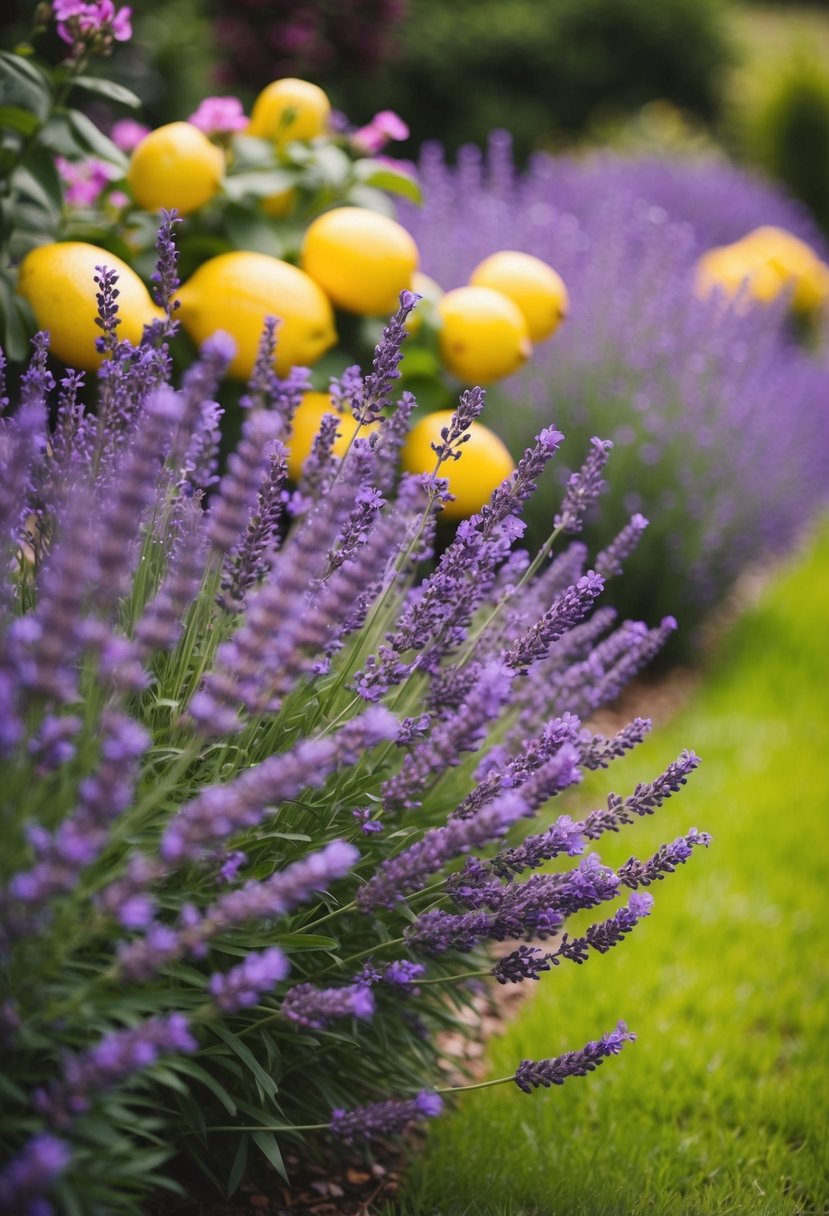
pixel 788 131
pixel 544 70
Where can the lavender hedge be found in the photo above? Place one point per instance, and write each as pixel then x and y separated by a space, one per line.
pixel 264 780
pixel 718 416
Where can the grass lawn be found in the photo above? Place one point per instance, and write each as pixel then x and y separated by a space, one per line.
pixel 722 1105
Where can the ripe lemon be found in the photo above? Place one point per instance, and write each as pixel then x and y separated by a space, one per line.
pixel 58 281
pixel 289 109
pixel 306 424
pixel 534 286
pixel 796 263
pixel 175 166
pixel 362 260
pixel 483 334
pixel 485 462
pixel 732 272
pixel 237 291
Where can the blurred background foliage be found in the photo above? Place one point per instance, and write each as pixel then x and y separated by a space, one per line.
pixel 752 77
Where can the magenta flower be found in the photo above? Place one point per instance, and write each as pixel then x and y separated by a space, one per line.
pixel 127 134
pixel 84 180
pixel 79 22
pixel 375 135
pixel 219 116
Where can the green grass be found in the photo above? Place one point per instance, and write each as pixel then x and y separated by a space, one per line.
pixel 722 1105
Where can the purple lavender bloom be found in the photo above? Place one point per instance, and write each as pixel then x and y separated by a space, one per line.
pixel 219 811
pixel 565 612
pixel 598 752
pixel 610 561
pixel 635 873
pixel 245 984
pixel 397 876
pixel 316 1007
pixel 162 622
pixel 30 1174
pixel 584 487
pixel 117 1056
pixel 531 1074
pixel 231 509
pixel 465 731
pixel 645 799
pixel 722 471
pixel 525 963
pixel 375 393
pixel 250 560
pixel 254 900
pixel 384 1118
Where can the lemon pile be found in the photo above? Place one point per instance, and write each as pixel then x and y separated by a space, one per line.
pixel 487 329
pixel 762 266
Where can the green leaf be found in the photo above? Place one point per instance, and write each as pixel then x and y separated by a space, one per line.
pixel 39 181
pixel 13 118
pixel 257 183
pixel 240 1049
pixel 23 86
pixel 332 166
pixel 392 180
pixel 194 1070
pixel 109 89
pixel 15 335
pixel 371 198
pixel 306 941
pixel 248 229
pixel 266 1143
pixel 237 1170
pixel 90 139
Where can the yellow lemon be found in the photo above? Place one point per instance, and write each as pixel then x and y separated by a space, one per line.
pixel 483 334
pixel 237 291
pixel 430 292
pixel 305 427
pixel 58 281
pixel 289 109
pixel 485 462
pixel 796 263
pixel 175 166
pixel 535 287
pixel 362 260
pixel 733 272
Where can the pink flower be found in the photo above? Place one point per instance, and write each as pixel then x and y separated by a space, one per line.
pixel 80 22
pixel 84 180
pixel 219 116
pixel 127 133
pixel 384 126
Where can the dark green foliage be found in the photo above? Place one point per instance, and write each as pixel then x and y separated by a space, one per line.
pixel 790 135
pixel 545 70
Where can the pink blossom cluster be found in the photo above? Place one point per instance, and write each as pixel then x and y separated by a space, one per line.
pixel 219 116
pixel 80 22
pixel 84 180
pixel 383 127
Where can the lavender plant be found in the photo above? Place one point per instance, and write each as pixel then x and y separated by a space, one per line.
pixel 264 779
pixel 717 415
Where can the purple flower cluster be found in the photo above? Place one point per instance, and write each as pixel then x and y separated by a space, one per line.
pixel 531 1074
pixel 384 1118
pixel 716 419
pixel 186 657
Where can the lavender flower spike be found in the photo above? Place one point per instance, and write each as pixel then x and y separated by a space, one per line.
pixel 244 985
pixel 23 1182
pixel 531 1074
pixel 384 1118
pixel 584 487
pixel 407 872
pixel 316 1007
